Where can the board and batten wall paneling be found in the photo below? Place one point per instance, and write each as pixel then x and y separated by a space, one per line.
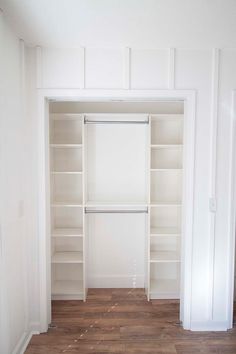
pixel 227 83
pixel 176 68
pixel 149 68
pixel 58 68
pixel 193 70
pixel 104 68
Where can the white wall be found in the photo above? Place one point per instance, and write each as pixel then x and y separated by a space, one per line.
pixel 15 201
pixel 135 23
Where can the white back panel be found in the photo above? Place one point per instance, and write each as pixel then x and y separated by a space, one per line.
pixel 116 250
pixel 116 162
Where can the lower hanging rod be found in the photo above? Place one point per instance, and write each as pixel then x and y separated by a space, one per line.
pixel 118 211
pixel 86 121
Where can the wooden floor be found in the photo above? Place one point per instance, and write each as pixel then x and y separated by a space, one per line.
pixel 122 321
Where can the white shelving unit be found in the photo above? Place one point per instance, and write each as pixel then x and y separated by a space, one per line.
pixel 166 164
pixel 99 167
pixel 67 206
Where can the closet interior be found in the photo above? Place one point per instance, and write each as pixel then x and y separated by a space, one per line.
pixel 116 175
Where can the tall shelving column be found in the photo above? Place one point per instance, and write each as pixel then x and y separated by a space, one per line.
pixel 67 199
pixel 165 205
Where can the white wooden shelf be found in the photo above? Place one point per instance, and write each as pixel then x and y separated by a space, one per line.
pixel 164 288
pixel 67 257
pixel 114 204
pixel 165 231
pixel 67 287
pixel 67 116
pixel 67 232
pixel 164 203
pixel 166 146
pixel 66 145
pixel 66 204
pixel 66 172
pixel 164 257
pixel 165 169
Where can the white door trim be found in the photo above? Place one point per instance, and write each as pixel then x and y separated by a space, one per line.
pixel 232 214
pixel 44 95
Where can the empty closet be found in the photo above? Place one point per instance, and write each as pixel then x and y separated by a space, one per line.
pixel 116 175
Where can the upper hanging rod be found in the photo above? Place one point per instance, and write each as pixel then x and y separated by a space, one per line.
pixel 114 211
pixel 87 121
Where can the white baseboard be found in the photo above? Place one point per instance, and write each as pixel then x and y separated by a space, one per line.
pixel 34 327
pixel 116 281
pixel 25 338
pixel 209 326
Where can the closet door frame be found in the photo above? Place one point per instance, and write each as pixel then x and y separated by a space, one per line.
pixel 44 96
pixel 232 216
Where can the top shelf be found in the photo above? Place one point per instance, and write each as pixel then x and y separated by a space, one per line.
pixel 167 130
pixel 66 129
pixel 67 117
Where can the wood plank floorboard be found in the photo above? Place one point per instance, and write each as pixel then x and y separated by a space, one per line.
pixel 122 321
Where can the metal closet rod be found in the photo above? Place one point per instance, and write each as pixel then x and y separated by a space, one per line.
pixel 118 211
pixel 87 121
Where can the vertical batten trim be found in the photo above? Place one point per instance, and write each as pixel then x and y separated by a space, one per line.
pixel 171 79
pixel 232 214
pixel 23 112
pixel 213 174
pixel 126 69
pixel 82 68
pixel 39 67
pixel 85 64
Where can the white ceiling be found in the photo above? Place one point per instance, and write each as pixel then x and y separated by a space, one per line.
pixel 142 23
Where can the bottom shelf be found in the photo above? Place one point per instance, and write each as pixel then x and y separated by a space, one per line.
pixel 164 289
pixel 67 290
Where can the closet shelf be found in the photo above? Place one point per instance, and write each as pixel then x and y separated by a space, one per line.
pixel 115 204
pixel 164 257
pixel 166 169
pixel 67 116
pixel 166 146
pixel 164 203
pixel 165 231
pixel 67 287
pixel 66 145
pixel 168 288
pixel 67 232
pixel 67 257
pixel 66 204
pixel 72 171
pixel 66 172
